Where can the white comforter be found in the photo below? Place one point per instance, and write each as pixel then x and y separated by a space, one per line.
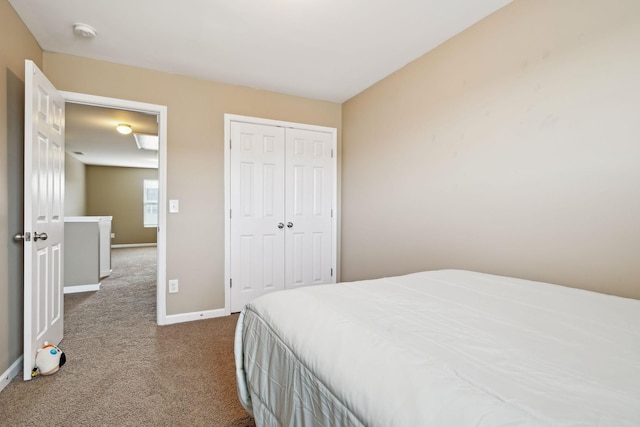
pixel 440 348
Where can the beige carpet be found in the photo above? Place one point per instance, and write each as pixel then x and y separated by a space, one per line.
pixel 123 370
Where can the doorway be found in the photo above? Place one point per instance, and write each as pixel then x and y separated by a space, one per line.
pixel 160 112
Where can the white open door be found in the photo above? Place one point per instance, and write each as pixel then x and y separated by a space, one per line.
pixel 43 214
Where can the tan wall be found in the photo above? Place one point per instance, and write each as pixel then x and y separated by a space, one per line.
pixel 74 187
pixel 118 192
pixel 195 236
pixel 16 45
pixel 512 148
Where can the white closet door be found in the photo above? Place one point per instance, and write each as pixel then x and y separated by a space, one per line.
pixel 309 197
pixel 257 211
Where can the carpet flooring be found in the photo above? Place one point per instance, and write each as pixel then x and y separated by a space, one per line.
pixel 124 370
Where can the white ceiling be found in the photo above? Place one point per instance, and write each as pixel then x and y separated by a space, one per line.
pixel 322 49
pixel 91 137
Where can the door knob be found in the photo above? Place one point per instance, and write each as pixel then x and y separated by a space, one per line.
pixel 41 236
pixel 19 237
pixel 280 225
pixel 289 224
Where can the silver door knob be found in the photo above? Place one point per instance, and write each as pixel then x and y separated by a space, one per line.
pixel 280 225
pixel 41 236
pixel 19 237
pixel 289 224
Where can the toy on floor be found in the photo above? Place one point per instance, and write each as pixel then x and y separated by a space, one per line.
pixel 49 359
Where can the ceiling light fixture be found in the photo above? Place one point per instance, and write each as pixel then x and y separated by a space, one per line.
pixel 84 30
pixel 124 129
pixel 147 142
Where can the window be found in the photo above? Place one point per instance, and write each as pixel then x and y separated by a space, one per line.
pixel 150 200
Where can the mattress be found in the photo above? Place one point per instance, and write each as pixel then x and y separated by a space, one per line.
pixel 440 348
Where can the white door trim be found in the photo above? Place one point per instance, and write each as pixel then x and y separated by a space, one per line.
pixel 228 118
pixel 161 111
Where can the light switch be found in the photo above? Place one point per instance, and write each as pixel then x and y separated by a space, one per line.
pixel 173 286
pixel 174 206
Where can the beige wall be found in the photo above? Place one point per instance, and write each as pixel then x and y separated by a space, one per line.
pixel 513 148
pixel 118 192
pixel 74 187
pixel 195 152
pixel 16 45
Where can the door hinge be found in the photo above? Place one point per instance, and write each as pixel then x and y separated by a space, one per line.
pixel 230 214
pixel 331 213
pixel 231 283
pixel 229 144
pixel 332 153
pixel 332 272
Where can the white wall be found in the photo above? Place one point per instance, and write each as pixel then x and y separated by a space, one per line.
pixel 75 187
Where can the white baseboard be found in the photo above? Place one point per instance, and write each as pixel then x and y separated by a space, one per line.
pixel 133 245
pixel 10 373
pixel 190 317
pixel 81 288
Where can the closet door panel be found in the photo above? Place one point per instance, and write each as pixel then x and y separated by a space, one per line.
pixel 308 206
pixel 257 208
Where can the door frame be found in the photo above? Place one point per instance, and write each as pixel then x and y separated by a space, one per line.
pixel 228 118
pixel 161 112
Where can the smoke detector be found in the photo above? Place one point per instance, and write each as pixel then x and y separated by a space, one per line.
pixel 84 30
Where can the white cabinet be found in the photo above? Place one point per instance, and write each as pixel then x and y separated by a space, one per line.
pixel 104 225
pixel 282 187
pixel 87 256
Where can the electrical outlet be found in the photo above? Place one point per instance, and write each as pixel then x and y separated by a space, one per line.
pixel 113 235
pixel 173 286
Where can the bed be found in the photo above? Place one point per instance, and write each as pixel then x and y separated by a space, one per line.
pixel 440 348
